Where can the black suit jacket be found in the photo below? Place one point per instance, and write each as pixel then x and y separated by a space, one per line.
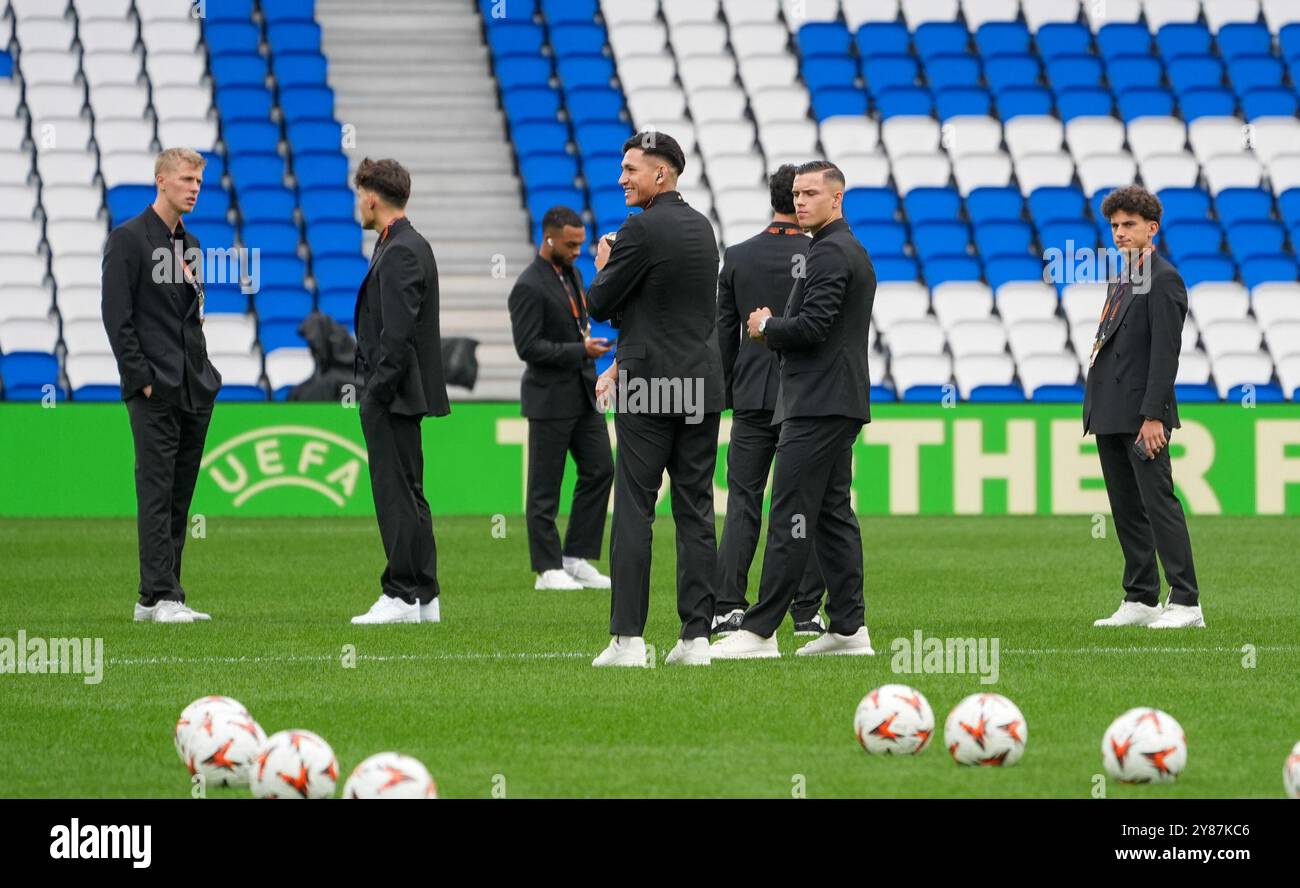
pixel 755 273
pixel 560 380
pixel 152 315
pixel 398 343
pixel 1133 374
pixel 659 288
pixel 823 336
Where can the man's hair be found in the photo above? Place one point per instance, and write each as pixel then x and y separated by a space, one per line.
pixel 560 217
pixel 782 186
pixel 387 178
pixel 174 157
pixel 657 144
pixel 1132 199
pixel 830 172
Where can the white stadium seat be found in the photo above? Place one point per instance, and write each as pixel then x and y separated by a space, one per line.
pixel 104 68
pixel 111 33
pixel 1045 337
pixel 1089 136
pixel 679 12
pixel 17 201
pixel 229 333
pixel 126 134
pixel 778 69
pixel 1106 171
pixel 90 369
pixel 1279 13
pixel 77 269
pixel 859 12
pixel 80 303
pixel 1253 368
pixel 15 167
pixel 66 167
pixel 1272 137
pixel 919 12
pixel 729 171
pixel 23 269
pixel 86 337
pixel 24 302
pixel 758 38
pixel 979 12
pixel 1283 339
pixel 977 337
pixel 651 103
pixel 28 334
pixel 738 11
pixel 1112 12
pixel 968 134
pixel 1083 302
pixel 921 171
pixel 899 301
pixel 919 369
pixel 798 13
pixel 237 368
pixel 1225 12
pixel 619 11
pixel 703 71
pixel 909 134
pixel 1044 12
pixel 863 170
pixel 922 336
pixel 1036 371
pixel 162 10
pixel 956 301
pixel 1193 368
pixel 849 135
pixel 1288 374
pixel 195 132
pixel 46 66
pixel 645 70
pixel 120 100
pixel 1026 301
pixel 1033 134
pixel 1284 173
pixel 1212 136
pixel 13 133
pixel 1275 302
pixel 38 34
pixel 1213 301
pixel 973 371
pixel 126 167
pixel 1231 337
pixel 1159 13
pixel 1034 171
pixel 1161 171
pixel 781 103
pixel 717 103
pixel 55 100
pixel 699 39
pixel 174 66
pixel 794 137
pixel 1232 171
pixel 1152 134
pixel 19 237
pixel 743 204
pixel 288 367
pixel 973 171
pixel 725 137
pixel 1191 335
pixel 638 38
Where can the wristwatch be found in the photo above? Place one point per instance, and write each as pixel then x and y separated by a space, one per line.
pixel 762 325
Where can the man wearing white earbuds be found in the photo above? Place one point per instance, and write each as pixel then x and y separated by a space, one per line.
pixel 552 333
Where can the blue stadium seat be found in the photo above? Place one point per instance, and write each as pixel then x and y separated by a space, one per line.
pixel 101 394
pixel 577 39
pixel 339 304
pixel 212 205
pixel 288 10
pixel 591 104
pixel 531 104
pixel 564 11
pixel 241 393
pixel 542 199
pixel 1240 39
pixel 884 71
pixel 882 238
pixel 299 69
pixel 339 271
pixel 271 237
pixel 958 101
pixel 1125 38
pixel 6 64
pixel 1263 269
pixel 127 201
pixel 515 38
pixel 1060 38
pixel 334 203
pixel 517 71
pixel 1014 101
pixel 248 170
pixel 932 205
pixel 607 204
pixel 211 233
pixel 603 169
pixel 223 37
pixel 1006 269
pixel 837 101
pixel 238 69
pixel 1057 203
pixel 214 167
pixel 280 271
pixel 899 100
pixel 1183 39
pixel 1133 71
pixel 1143 101
pixel 293 36
pixel 1235 205
pixel 224 298
pixel 540 138
pixel 1003 71
pixel 1256 238
pixel 315 135
pixel 251 137
pixel 306 103
pixel 549 170
pixel 334 238
pixel 233 11
pixel 1058 394
pixel 496 11
pixel 1264 392
pixel 1002 38
pixel 1196 393
pixel 1252 72
pixel 1198 269
pixel 266 203
pixel 872 205
pixel 1187 239
pixel 1067 71
pixel 933 240
pixel 25 375
pixel 994 205
pixel 824 71
pixel 925 394
pixel 315 168
pixel 592 70
pixel 1207 102
pixel 1082 101
pixel 881 394
pixel 1195 72
pixel 237 103
pixel 994 239
pixel 938 38
pixel 1277 101
pixel 878 38
pixel 824 39
pixel 895 268
pixel 953 69
pixel 998 394
pixel 1288 204
pixel 283 304
pixel 594 138
pixel 1288 41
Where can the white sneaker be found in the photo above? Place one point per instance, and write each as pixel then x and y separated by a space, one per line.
pixel 694 652
pixel 164 612
pixel 582 572
pixel 744 645
pixel 431 612
pixel 389 610
pixel 196 616
pixel 556 579
pixel 856 645
pixel 1131 613
pixel 1179 616
pixel 727 623
pixel 623 650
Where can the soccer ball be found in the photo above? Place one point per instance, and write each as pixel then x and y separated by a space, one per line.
pixel 1291 773
pixel 221 746
pixel 985 729
pixel 390 775
pixel 293 764
pixel 193 715
pixel 894 720
pixel 1144 746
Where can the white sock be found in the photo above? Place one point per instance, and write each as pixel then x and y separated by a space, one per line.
pixel 570 563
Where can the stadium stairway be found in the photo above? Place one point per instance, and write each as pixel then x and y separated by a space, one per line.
pixel 416 85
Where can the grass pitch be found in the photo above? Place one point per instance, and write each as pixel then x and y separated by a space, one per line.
pixel 501 696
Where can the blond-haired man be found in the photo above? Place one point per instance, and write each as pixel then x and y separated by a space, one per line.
pixel 153 312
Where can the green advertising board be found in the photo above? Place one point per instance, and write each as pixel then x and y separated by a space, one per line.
pixel 310 459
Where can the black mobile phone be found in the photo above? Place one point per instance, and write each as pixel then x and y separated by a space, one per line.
pixel 1140 450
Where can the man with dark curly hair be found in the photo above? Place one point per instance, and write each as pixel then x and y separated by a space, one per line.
pixel 1129 405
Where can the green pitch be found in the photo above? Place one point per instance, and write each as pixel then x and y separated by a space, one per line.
pixel 501 696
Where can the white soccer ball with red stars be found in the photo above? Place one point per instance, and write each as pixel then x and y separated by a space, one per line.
pixel 1291 773
pixel 194 715
pixel 985 729
pixel 1144 745
pixel 294 764
pixel 894 719
pixel 222 745
pixel 390 775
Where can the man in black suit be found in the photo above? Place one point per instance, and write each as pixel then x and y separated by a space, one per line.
pixel 399 353
pixel 153 312
pixel 658 284
pixel 756 272
pixel 548 316
pixel 1129 405
pixel 824 400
